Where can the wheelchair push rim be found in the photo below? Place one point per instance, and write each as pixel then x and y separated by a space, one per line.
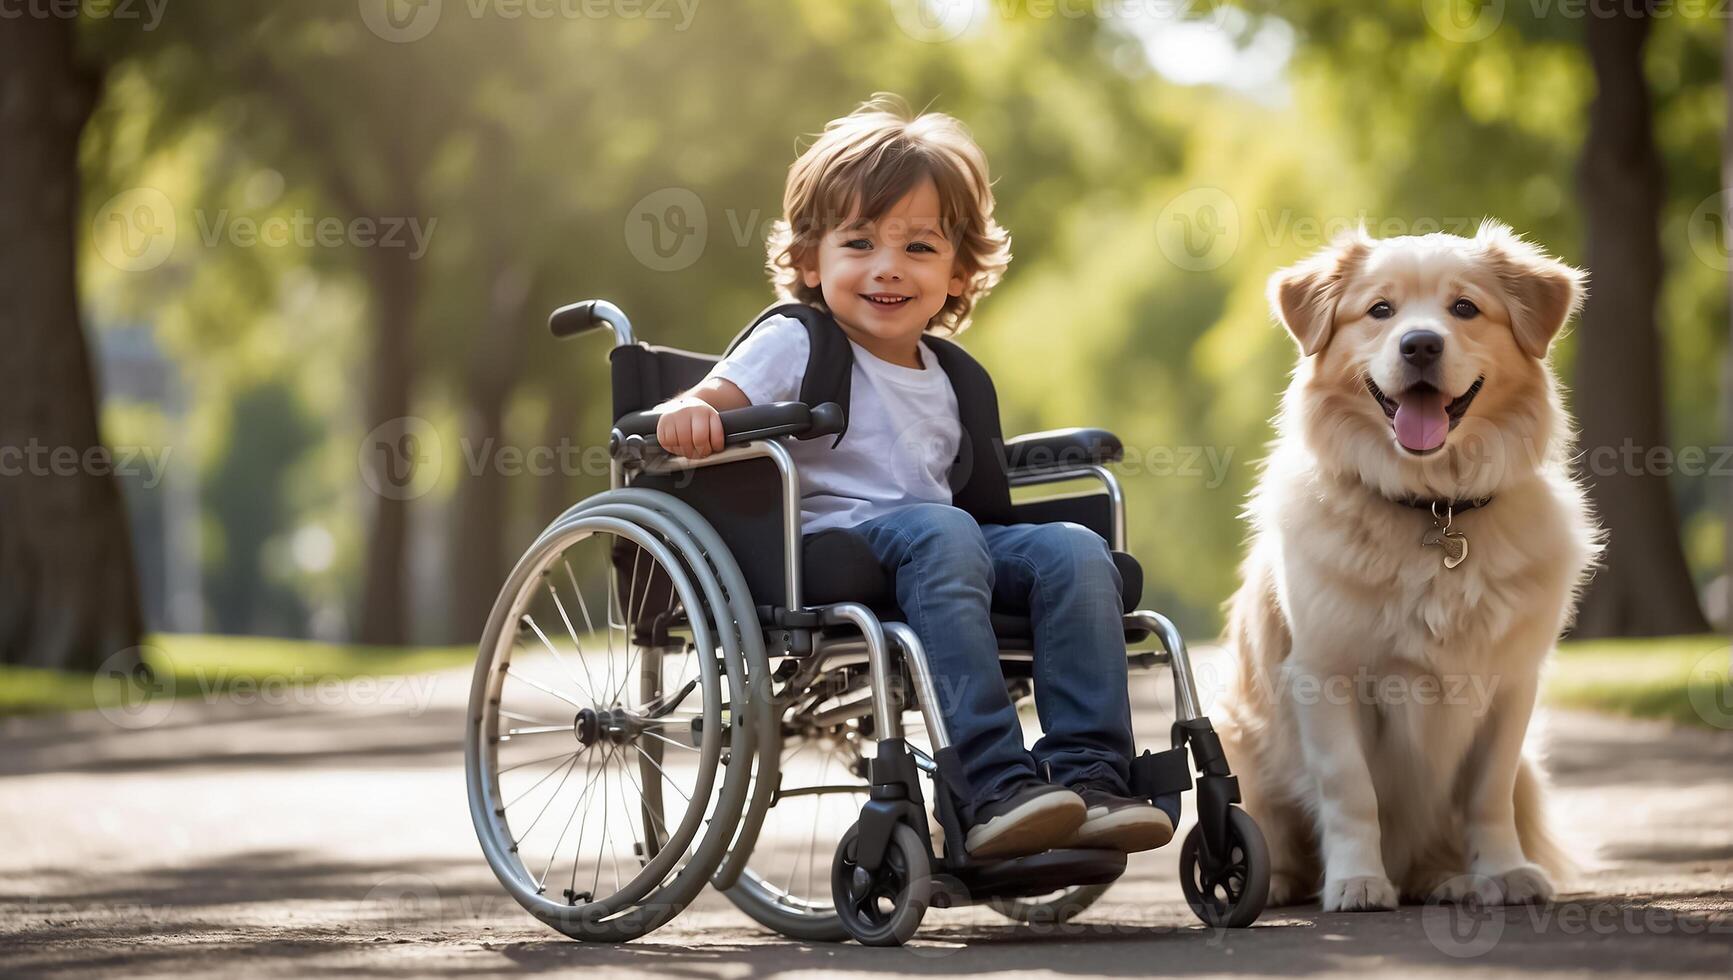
pixel 597 724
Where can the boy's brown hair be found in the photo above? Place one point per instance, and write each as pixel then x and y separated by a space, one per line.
pixel 867 161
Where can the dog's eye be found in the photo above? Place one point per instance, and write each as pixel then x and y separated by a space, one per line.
pixel 1465 309
pixel 1381 311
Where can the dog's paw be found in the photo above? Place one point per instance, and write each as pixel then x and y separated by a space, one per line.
pixel 1289 889
pixel 1363 894
pixel 1522 885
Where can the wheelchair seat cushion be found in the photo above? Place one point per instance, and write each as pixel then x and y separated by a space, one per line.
pixel 839 566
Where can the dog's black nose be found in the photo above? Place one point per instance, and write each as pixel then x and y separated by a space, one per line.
pixel 1421 347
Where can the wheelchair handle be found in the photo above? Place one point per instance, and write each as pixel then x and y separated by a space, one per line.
pixel 635 434
pixel 569 321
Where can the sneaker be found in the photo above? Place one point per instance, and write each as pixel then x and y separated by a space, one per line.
pixel 1035 817
pixel 1118 822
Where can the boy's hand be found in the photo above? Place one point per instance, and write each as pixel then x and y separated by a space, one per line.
pixel 690 427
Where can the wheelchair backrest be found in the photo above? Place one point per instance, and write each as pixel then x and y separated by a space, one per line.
pixel 741 500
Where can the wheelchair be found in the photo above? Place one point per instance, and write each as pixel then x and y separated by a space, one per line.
pixel 675 688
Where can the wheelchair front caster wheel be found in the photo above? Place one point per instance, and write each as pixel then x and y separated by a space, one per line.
pixel 1227 891
pixel 882 908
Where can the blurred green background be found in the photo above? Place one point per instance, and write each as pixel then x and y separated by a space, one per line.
pixel 370 209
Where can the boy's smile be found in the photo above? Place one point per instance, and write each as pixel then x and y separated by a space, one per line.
pixel 885 279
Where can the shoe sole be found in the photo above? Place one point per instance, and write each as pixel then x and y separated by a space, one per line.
pixel 1039 825
pixel 1130 831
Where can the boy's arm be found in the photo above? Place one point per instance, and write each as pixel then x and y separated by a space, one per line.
pixel 691 425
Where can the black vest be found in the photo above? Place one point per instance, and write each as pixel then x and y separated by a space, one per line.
pixel 979 484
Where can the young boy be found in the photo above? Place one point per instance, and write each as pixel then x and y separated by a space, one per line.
pixel 888 226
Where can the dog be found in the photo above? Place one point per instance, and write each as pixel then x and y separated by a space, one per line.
pixel 1416 545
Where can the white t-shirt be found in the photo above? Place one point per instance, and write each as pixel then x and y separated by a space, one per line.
pixel 903 429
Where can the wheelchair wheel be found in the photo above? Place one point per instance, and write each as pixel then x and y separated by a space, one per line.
pixel 1229 891
pixel 601 747
pixel 822 785
pixel 1049 910
pixel 883 908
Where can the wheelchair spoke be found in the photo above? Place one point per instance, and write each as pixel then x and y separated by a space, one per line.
pixel 546 758
pixel 518 716
pixel 570 767
pixel 511 733
pixel 659 769
pixel 551 649
pixel 548 775
pixel 554 853
pixel 664 738
pixel 576 644
pixel 538 685
pixel 630 620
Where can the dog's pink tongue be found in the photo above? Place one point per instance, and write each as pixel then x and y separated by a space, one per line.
pixel 1421 422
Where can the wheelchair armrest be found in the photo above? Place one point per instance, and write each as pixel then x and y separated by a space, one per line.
pixel 1060 449
pixel 739 426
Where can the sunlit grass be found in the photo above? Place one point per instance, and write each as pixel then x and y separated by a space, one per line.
pixel 189 664
pixel 1682 679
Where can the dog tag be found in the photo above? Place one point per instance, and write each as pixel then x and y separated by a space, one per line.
pixel 1454 543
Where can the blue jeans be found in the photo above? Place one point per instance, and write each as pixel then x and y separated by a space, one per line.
pixel 950 571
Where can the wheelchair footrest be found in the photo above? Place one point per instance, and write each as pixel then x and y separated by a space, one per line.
pixel 1037 874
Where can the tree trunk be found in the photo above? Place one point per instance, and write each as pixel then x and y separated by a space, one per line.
pixel 479 559
pixel 395 448
pixel 1644 587
pixel 69 597
pixel 1726 611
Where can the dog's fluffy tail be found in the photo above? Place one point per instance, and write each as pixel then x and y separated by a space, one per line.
pixel 1532 828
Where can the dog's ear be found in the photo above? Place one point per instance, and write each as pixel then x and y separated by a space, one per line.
pixel 1304 296
pixel 1542 292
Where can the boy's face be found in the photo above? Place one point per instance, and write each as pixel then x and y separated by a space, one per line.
pixel 884 280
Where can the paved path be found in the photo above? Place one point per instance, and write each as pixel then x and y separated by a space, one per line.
pixel 278 835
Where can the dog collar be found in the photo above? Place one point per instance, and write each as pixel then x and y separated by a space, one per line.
pixel 1434 505
pixel 1442 534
